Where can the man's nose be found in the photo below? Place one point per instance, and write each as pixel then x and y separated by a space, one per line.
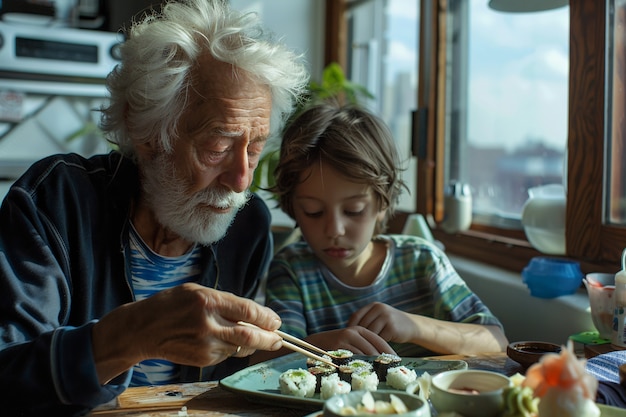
pixel 237 172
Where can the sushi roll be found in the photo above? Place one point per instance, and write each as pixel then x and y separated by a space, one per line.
pixel 400 377
pixel 297 382
pixel 383 363
pixel 346 371
pixel 341 356
pixel 311 363
pixel 332 385
pixel 319 372
pixel 360 364
pixel 364 380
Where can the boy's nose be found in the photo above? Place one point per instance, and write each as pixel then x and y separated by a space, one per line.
pixel 334 226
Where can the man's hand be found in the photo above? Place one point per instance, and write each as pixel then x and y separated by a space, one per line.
pixel 188 325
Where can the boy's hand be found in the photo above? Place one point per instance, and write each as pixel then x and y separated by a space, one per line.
pixel 388 322
pixel 356 339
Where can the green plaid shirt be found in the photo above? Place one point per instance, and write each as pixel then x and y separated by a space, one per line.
pixel 417 277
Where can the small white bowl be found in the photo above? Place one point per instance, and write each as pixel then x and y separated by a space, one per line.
pixel 416 407
pixel 470 392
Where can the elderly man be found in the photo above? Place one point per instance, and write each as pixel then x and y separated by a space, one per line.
pixel 135 267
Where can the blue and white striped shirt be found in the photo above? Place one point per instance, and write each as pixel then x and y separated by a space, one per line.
pixel 150 274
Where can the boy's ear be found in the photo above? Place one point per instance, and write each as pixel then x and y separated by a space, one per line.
pixel 381 215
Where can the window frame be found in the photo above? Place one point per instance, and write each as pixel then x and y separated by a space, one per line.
pixel 596 246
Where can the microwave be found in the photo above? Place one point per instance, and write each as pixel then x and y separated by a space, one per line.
pixel 74 59
pixel 52 83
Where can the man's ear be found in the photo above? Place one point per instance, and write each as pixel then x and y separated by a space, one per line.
pixel 144 150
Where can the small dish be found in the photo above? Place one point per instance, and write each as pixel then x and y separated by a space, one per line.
pixel 416 407
pixel 472 392
pixel 548 277
pixel 528 353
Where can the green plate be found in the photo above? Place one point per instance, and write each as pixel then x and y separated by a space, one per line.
pixel 605 411
pixel 260 382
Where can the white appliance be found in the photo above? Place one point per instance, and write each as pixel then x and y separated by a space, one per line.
pixel 51 88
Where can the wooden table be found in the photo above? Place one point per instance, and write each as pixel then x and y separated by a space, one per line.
pixel 209 399
pixel 595 350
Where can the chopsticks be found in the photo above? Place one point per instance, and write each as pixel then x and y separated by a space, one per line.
pixel 293 346
pixel 305 352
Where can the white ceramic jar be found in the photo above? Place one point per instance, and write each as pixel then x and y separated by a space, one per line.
pixel 543 218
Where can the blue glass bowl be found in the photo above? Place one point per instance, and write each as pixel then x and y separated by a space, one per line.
pixel 548 277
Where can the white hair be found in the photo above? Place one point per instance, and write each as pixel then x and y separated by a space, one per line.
pixel 149 88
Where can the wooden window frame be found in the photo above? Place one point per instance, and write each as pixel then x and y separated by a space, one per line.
pixel 596 246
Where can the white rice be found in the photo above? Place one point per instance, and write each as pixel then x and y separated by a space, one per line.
pixel 364 380
pixel 358 364
pixel 297 382
pixel 332 385
pixel 400 377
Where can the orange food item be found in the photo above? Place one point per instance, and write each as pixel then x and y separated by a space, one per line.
pixel 562 370
pixel 563 385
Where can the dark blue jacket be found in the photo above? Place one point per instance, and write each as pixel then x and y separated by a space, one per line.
pixel 63 242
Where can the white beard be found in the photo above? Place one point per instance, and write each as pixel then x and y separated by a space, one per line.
pixel 185 214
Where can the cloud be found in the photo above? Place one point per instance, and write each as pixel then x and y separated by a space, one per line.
pixel 518 77
pixel 518 30
pixel 402 55
pixel 402 8
pixel 510 109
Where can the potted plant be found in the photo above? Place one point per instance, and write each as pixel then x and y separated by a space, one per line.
pixel 333 85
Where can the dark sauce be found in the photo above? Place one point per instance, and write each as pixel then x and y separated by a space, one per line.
pixel 537 350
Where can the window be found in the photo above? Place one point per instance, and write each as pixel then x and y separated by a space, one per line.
pixel 616 150
pixel 506 112
pixel 589 237
pixel 585 144
pixel 382 56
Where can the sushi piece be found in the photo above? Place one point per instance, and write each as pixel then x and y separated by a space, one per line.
pixel 360 364
pixel 400 377
pixel 319 372
pixel 297 382
pixel 332 385
pixel 384 362
pixel 346 371
pixel 310 362
pixel 341 356
pixel 364 380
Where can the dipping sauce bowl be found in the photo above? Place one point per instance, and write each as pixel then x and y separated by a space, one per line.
pixel 469 392
pixel 527 353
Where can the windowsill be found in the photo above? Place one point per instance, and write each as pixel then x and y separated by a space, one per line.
pixel 509 253
pixel 525 317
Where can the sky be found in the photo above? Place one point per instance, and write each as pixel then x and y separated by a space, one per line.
pixel 518 76
pixel 518 71
pixel 518 67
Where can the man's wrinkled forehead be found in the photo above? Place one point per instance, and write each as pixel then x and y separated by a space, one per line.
pixel 214 78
